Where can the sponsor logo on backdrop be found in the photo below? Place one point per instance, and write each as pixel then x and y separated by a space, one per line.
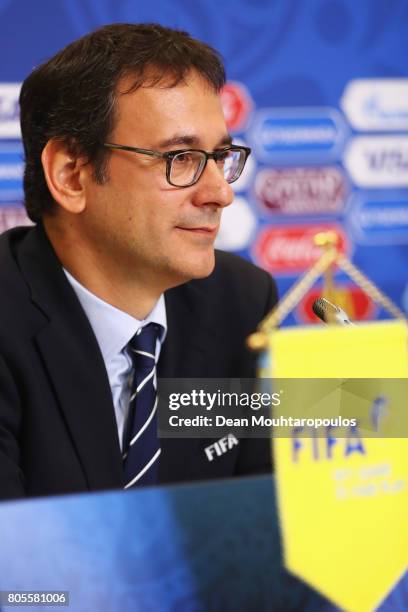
pixel 237 105
pixel 11 173
pixel 238 226
pixel 9 110
pixel 290 249
pixel 377 104
pixel 12 215
pixel 378 161
pixel 301 191
pixel 352 299
pixel 315 134
pixel 378 220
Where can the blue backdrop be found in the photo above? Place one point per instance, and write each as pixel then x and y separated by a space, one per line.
pixel 317 88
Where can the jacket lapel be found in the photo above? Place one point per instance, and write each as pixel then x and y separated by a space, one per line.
pixel 183 355
pixel 184 350
pixel 74 363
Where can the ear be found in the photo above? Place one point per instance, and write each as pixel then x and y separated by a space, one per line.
pixel 66 175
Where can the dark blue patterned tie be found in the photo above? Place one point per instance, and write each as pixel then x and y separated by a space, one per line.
pixel 141 448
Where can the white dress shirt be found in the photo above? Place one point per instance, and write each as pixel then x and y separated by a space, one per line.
pixel 114 329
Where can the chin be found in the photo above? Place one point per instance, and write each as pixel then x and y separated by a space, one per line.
pixel 196 267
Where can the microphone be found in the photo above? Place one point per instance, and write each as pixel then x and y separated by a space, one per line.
pixel 330 313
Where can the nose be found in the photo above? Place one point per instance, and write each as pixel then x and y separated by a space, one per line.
pixel 212 188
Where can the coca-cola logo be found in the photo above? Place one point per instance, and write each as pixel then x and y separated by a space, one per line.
pixel 291 249
pixel 352 299
pixel 301 191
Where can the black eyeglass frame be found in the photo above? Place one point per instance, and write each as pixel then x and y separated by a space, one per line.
pixel 169 156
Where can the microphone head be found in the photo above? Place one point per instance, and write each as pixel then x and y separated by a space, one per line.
pixel 323 309
pixel 330 313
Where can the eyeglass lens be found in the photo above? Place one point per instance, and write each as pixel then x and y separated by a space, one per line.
pixel 186 167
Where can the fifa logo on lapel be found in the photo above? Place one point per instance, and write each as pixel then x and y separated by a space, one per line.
pixel 222 446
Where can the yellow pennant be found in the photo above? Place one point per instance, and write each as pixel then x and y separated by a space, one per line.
pixel 343 490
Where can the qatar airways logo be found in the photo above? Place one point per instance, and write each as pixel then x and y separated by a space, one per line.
pixel 290 249
pixel 301 191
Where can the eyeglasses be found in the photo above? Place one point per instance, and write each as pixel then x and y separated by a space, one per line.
pixel 184 167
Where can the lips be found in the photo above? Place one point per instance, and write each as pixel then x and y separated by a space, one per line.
pixel 200 229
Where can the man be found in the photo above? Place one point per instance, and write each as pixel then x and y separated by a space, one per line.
pixel 128 169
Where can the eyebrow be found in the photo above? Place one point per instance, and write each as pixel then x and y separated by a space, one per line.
pixel 190 141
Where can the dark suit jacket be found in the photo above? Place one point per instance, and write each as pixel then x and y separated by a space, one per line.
pixel 58 432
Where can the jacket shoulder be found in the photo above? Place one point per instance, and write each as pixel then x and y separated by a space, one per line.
pixel 9 245
pixel 239 278
pixel 13 289
pixel 238 268
pixel 238 287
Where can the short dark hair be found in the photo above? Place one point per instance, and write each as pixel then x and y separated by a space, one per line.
pixel 72 96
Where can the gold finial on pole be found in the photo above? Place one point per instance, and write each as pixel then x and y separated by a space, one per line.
pixel 327 239
pixel 257 341
pixel 328 242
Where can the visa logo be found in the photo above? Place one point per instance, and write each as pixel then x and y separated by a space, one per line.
pixel 391 160
pixel 378 161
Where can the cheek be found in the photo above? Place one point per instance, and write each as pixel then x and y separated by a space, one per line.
pixel 157 211
pixel 143 200
pixel 148 224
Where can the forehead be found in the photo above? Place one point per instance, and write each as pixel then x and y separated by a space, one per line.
pixel 155 113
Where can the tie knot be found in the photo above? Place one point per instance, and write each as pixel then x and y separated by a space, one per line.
pixel 143 344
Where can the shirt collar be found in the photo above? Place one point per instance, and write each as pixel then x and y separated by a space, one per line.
pixel 112 327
